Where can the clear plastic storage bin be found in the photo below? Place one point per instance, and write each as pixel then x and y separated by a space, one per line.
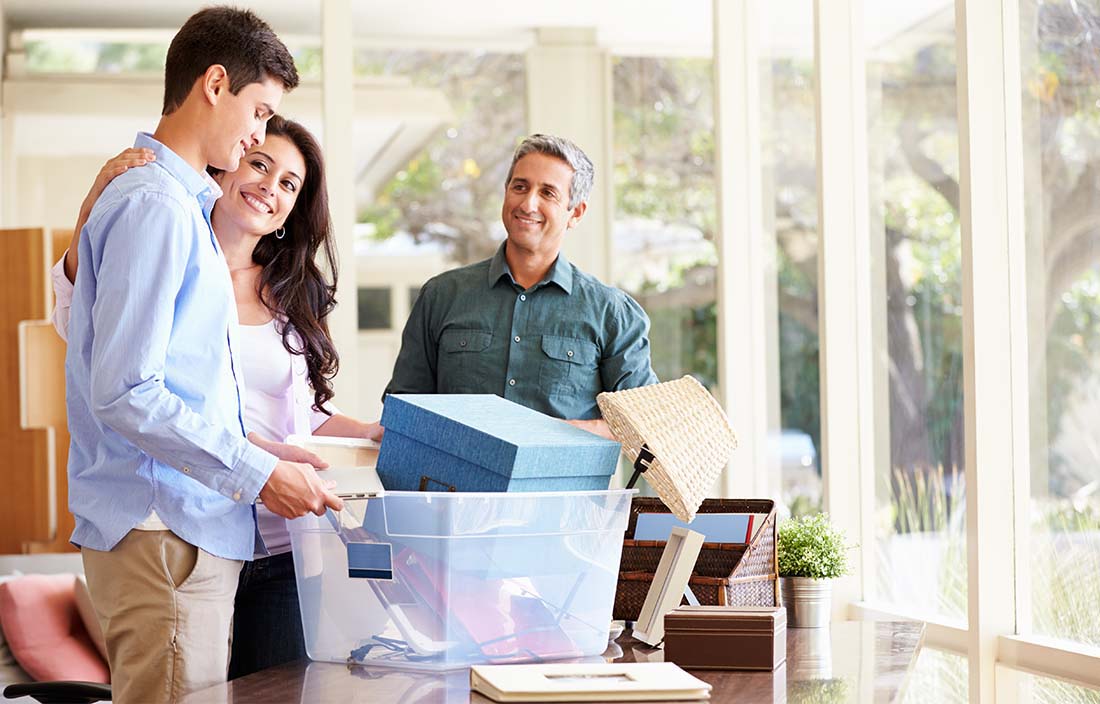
pixel 437 581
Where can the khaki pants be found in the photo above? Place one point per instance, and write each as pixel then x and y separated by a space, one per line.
pixel 166 608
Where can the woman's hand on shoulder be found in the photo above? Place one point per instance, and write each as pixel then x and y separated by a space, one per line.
pixel 127 159
pixel 116 166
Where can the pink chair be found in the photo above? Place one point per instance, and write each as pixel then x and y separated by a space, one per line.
pixel 48 639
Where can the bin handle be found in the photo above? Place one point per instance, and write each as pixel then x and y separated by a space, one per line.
pixel 426 482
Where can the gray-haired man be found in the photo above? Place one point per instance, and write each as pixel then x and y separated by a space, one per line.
pixel 528 325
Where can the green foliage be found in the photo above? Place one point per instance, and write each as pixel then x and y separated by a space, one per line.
pixel 924 247
pixel 939 676
pixel 799 380
pixel 664 141
pixel 48 57
pixel 1063 564
pixel 409 187
pixel 72 56
pixel 664 173
pixel 804 505
pixel 81 56
pixel 450 191
pixel 820 691
pixel 1073 356
pixel 788 133
pixel 931 502
pixel 1047 690
pixel 308 60
pixel 684 341
pixel 812 547
pixel 1065 570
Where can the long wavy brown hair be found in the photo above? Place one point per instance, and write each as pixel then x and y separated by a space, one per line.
pixel 291 283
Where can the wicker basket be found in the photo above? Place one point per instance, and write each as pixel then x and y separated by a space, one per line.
pixel 682 430
pixel 733 574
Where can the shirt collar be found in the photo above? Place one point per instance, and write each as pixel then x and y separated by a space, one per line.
pixel 199 185
pixel 210 194
pixel 561 273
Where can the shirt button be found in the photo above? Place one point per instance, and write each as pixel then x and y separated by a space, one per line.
pixel 186 470
pixel 237 495
pixel 522 297
pixel 569 353
pixel 516 338
pixel 511 382
pixel 462 344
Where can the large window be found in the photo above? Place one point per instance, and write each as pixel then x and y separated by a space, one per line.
pixel 788 131
pixel 1061 108
pixel 447 193
pixel 434 152
pixel 919 526
pixel 665 211
pixel 128 53
pixel 939 677
pixel 53 53
pixel 1030 688
pixel 374 308
pixel 432 133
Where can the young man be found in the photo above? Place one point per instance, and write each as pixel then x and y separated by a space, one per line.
pixel 528 325
pixel 161 477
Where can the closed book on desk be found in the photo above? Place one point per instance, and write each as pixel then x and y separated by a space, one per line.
pixel 583 682
pixel 482 442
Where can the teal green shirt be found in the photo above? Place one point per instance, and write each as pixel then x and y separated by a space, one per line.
pixel 552 347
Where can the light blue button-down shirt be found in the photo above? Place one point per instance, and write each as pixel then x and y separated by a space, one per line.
pixel 154 394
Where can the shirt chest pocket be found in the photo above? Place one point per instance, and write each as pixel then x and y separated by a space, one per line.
pixel 569 366
pixel 463 360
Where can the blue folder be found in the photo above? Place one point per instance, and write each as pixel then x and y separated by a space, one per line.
pixel 715 527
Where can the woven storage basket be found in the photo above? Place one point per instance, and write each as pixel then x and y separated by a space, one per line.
pixel 726 574
pixel 684 429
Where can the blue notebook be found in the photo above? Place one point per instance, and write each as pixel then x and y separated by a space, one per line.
pixel 482 442
pixel 715 527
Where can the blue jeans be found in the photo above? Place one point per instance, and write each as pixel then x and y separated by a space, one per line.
pixel 267 623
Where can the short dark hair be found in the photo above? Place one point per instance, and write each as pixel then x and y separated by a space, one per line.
pixel 238 40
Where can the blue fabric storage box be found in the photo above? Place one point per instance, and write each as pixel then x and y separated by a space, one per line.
pixel 482 442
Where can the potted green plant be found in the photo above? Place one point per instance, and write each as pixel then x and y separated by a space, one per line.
pixel 812 553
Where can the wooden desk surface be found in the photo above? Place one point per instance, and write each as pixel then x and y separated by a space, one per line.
pixel 854 661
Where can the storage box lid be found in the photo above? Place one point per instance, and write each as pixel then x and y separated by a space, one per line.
pixel 764 618
pixel 499 435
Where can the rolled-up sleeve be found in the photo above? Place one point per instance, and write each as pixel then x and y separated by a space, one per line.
pixel 626 362
pixel 63 298
pixel 139 278
pixel 414 372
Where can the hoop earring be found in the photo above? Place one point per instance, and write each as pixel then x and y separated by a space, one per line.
pixel 280 233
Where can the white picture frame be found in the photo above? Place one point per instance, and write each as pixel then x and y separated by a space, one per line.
pixel 669 582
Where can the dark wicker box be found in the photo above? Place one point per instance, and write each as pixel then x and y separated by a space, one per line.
pixel 726 574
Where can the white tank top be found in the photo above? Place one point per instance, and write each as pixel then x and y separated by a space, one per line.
pixel 268 408
pixel 269 397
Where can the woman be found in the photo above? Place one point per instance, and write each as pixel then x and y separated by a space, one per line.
pixel 270 223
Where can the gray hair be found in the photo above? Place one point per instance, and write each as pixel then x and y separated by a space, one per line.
pixel 583 171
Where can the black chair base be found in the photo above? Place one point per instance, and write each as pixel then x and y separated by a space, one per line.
pixel 60 692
